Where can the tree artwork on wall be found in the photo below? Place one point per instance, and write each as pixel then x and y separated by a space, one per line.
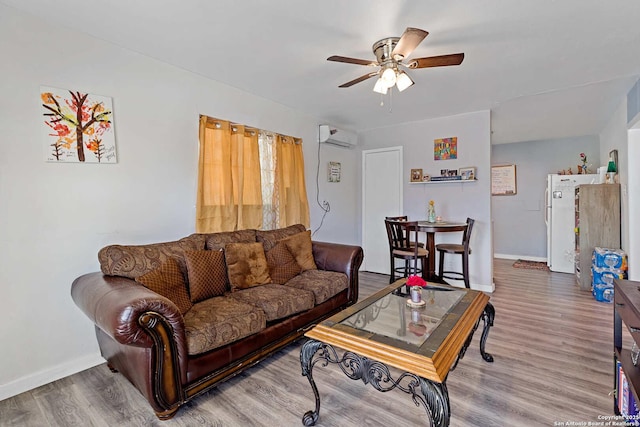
pixel 78 126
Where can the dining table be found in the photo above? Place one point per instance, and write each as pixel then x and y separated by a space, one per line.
pixel 431 228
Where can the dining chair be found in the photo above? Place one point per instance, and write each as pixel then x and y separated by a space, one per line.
pixel 400 235
pixel 456 249
pixel 404 218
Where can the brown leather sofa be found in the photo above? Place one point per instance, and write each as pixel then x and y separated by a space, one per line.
pixel 144 336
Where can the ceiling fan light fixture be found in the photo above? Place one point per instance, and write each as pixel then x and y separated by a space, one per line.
pixel 403 81
pixel 380 87
pixel 389 77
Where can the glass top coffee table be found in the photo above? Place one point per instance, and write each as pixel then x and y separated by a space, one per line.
pixel 425 343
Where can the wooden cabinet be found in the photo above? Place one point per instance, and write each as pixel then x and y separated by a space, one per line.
pixel 597 225
pixel 626 310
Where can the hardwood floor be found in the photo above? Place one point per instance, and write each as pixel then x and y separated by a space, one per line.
pixel 552 345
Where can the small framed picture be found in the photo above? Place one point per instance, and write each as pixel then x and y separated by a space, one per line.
pixel 416 175
pixel 452 172
pixel 426 178
pixel 444 172
pixel 334 171
pixel 468 173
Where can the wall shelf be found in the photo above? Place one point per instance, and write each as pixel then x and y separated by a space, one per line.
pixel 453 181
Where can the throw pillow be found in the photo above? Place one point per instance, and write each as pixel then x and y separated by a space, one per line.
pixel 168 281
pixel 300 247
pixel 246 265
pixel 282 265
pixel 207 274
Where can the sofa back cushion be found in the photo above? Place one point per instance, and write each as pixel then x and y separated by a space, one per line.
pixel 282 265
pixel 135 260
pixel 269 238
pixel 301 248
pixel 207 274
pixel 217 241
pixel 168 281
pixel 246 265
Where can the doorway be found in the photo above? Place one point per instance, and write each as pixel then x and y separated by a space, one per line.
pixel 381 196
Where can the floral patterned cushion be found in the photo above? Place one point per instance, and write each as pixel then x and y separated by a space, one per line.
pixel 277 301
pixel 135 260
pixel 323 284
pixel 219 321
pixel 168 281
pixel 269 238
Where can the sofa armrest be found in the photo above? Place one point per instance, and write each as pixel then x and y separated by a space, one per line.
pixel 341 258
pixel 131 314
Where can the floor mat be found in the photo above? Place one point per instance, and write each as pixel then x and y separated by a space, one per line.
pixel 531 265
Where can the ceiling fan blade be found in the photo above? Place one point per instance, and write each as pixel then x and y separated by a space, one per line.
pixel 359 79
pixel 356 61
pixel 436 61
pixel 411 38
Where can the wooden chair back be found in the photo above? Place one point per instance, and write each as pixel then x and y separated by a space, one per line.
pixel 466 236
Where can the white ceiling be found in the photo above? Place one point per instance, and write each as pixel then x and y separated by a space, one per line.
pixel 545 68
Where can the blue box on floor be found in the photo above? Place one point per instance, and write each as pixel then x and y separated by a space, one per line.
pixel 609 258
pixel 605 276
pixel 603 293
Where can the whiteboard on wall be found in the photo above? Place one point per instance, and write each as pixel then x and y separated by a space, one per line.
pixel 503 180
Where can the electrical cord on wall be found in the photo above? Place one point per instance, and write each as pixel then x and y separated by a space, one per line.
pixel 325 206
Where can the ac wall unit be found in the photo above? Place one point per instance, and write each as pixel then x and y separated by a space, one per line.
pixel 341 138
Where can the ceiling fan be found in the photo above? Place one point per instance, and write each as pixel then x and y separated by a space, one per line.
pixel 391 57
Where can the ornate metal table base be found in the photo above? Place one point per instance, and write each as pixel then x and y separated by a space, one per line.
pixel 431 395
pixel 487 317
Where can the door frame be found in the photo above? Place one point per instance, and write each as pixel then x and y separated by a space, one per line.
pixel 400 189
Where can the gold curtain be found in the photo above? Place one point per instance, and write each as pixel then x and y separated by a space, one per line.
pixel 229 186
pixel 293 207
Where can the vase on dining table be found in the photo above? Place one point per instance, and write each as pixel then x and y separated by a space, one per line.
pixel 431 213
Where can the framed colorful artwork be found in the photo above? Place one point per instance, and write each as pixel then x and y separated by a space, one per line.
pixel 445 148
pixel 78 127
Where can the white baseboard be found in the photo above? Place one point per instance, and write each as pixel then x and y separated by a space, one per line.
pixel 522 257
pixel 490 288
pixel 46 376
pixel 485 288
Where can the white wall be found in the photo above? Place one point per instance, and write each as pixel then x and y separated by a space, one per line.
pixel 339 225
pixel 614 137
pixel 453 201
pixel 513 239
pixel 633 175
pixel 55 217
pixel 633 179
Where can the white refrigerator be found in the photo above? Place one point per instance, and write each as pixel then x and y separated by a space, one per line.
pixel 560 219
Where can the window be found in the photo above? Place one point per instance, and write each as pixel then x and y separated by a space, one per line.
pixel 248 178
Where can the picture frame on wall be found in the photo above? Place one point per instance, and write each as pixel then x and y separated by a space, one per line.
pixel 335 170
pixel 416 175
pixel 503 180
pixel 468 174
